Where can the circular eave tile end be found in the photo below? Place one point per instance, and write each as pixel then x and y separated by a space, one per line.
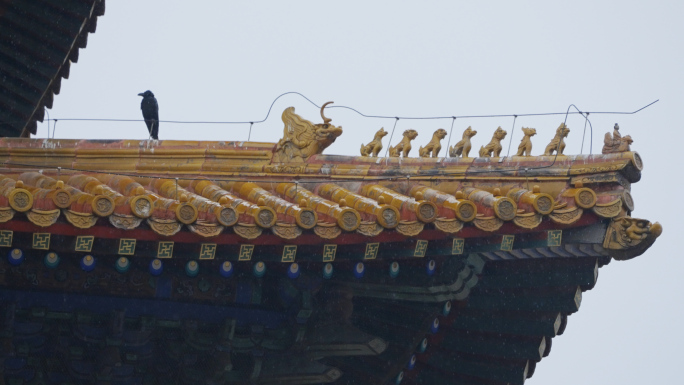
pixel 543 204
pixel 349 220
pixel 227 216
pixel 585 198
pixel 186 213
pixel 266 217
pixel 426 212
pixel 388 217
pixel 102 205
pixel 505 209
pixel 141 206
pixel 306 218
pixel 20 200
pixel 466 211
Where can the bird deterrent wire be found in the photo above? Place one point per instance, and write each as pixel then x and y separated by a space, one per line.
pixel 268 113
pixel 391 135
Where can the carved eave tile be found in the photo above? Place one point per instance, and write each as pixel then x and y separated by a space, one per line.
pixel 286 230
pixel 125 222
pixel 164 227
pixel 528 220
pixel 206 229
pixel 410 229
pixel 608 210
pixel 247 231
pixel 6 214
pixel 566 216
pixel 370 229
pixel 328 230
pixel 490 224
pixel 80 220
pixel 43 218
pixel 449 226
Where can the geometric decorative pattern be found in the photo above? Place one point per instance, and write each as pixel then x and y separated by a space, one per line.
pixel 289 253
pixel 126 246
pixel 165 249
pixel 41 241
pixel 421 248
pixel 84 243
pixel 554 237
pixel 371 250
pixel 246 252
pixel 329 253
pixel 207 251
pixel 6 238
pixel 458 246
pixel 507 242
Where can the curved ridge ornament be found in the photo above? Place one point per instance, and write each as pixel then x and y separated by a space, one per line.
pixel 616 143
pixel 462 148
pixel 303 139
pixel 434 146
pixel 493 148
pixel 403 147
pixel 557 143
pixel 373 148
pixel 525 146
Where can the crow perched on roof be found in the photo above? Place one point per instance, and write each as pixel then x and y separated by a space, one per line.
pixel 150 111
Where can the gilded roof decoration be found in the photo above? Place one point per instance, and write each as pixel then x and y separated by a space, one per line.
pixel 250 196
pixel 302 139
pixel 462 147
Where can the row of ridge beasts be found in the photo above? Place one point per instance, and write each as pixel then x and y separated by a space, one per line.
pixel 614 143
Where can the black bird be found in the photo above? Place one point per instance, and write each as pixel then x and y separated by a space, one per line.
pixel 150 111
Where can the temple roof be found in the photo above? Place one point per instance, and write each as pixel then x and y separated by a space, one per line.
pixel 262 263
pixel 39 39
pixel 207 187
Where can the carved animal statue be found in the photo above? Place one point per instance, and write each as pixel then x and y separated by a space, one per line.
pixel 463 146
pixel 434 146
pixel 557 143
pixel 611 145
pixel 525 146
pixel 617 143
pixel 302 139
pixel 405 145
pixel 494 147
pixel 374 147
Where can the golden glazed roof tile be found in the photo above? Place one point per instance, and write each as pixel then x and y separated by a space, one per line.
pixel 218 188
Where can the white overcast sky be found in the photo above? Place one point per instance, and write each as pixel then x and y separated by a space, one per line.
pixel 227 61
